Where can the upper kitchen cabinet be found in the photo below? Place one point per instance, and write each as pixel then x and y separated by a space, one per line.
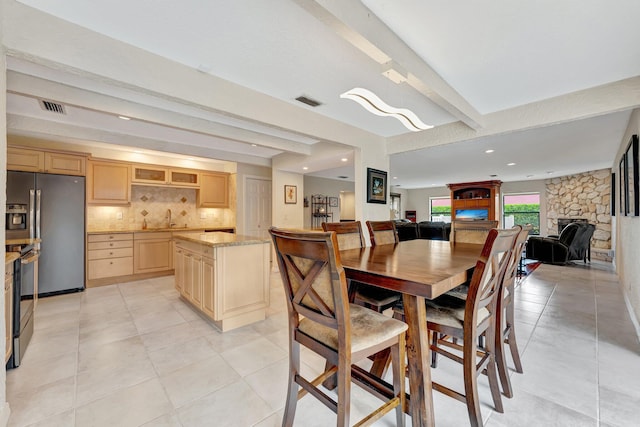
pixel 157 175
pixel 28 160
pixel 108 183
pixel 214 190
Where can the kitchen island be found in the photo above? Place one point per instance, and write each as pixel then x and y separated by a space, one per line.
pixel 224 276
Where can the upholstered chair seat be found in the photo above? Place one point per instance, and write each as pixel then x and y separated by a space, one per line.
pixel 367 329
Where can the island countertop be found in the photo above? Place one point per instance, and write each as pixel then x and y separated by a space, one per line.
pixel 216 239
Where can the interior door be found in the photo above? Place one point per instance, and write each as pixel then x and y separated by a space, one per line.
pixel 257 207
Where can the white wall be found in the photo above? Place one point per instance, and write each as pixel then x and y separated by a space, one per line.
pixel 627 242
pixel 330 188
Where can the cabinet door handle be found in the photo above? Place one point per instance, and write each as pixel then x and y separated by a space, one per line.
pixel 110 253
pixel 110 237
pixel 110 244
pixel 111 262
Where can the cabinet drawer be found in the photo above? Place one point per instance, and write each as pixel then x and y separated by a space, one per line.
pixel 100 268
pixel 205 250
pixel 109 237
pixel 110 245
pixel 110 253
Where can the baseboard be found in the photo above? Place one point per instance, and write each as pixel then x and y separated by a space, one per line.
pixel 4 414
pixel 632 313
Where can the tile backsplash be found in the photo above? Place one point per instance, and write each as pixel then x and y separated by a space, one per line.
pixel 152 203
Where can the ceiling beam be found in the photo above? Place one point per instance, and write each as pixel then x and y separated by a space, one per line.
pixel 600 100
pixel 351 20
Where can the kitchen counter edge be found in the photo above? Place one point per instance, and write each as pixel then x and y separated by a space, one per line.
pixel 159 230
pixel 219 239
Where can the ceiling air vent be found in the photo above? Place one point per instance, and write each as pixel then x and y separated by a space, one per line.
pixel 308 101
pixel 51 106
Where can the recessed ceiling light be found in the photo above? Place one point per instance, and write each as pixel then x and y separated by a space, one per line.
pixel 549 172
pixel 395 177
pixel 511 164
pixel 344 159
pixel 304 168
pixel 529 176
pixel 254 145
pixel 493 175
pixel 124 117
pixel 489 151
pixel 137 151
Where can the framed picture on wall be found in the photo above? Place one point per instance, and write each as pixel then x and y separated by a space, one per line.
pixel 631 156
pixel 290 194
pixel 333 202
pixel 376 186
pixel 622 174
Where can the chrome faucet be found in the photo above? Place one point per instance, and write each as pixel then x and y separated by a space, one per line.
pixel 168 217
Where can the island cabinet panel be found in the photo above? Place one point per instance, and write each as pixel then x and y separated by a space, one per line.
pixel 8 310
pixel 224 280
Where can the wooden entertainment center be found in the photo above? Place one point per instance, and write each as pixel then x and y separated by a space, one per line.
pixel 475 200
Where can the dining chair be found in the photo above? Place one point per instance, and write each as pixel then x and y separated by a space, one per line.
pixel 350 236
pixel 322 320
pixel 466 231
pixel 505 320
pixel 382 232
pixel 451 320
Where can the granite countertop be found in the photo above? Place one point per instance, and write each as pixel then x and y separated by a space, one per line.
pixel 23 241
pixel 214 239
pixel 11 256
pixel 150 230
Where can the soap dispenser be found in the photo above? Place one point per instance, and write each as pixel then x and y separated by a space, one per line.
pixel 144 224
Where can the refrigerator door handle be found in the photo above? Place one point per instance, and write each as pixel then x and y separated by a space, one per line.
pixel 32 197
pixel 38 197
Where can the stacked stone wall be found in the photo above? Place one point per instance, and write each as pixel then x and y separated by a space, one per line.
pixel 586 195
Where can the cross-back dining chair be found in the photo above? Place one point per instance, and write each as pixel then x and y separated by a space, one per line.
pixel 350 236
pixel 321 319
pixel 452 320
pixel 505 321
pixel 466 231
pixel 382 232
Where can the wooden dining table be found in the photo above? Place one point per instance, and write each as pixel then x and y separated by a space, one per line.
pixel 418 269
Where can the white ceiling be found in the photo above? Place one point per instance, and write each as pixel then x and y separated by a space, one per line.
pixel 466 63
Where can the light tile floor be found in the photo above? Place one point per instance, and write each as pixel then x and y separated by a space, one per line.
pixel 134 354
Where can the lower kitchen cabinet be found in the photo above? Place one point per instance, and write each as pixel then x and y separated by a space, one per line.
pixel 152 252
pixel 109 255
pixel 8 310
pixel 227 284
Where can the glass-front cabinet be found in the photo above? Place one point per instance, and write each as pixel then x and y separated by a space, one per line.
pixel 146 174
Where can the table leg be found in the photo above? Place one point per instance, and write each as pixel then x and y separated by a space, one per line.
pixel 421 409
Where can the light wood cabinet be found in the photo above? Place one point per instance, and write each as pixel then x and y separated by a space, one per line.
pixel 475 200
pixel 152 252
pixel 108 183
pixel 64 164
pixel 229 284
pixel 109 255
pixel 31 160
pixel 214 190
pixel 22 159
pixel 158 175
pixel 8 311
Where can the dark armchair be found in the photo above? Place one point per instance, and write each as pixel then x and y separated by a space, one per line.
pixel 573 244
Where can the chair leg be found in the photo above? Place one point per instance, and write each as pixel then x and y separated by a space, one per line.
pixel 500 357
pixel 343 380
pixel 292 392
pixel 492 369
pixel 471 383
pixel 398 367
pixel 381 362
pixel 510 337
pixel 434 355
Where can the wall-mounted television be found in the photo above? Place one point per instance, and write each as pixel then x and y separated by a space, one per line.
pixel 472 214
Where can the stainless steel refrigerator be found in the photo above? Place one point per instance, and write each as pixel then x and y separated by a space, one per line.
pixel 55 212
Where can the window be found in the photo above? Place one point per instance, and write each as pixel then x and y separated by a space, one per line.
pixel 440 209
pixel 522 209
pixel 396 207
